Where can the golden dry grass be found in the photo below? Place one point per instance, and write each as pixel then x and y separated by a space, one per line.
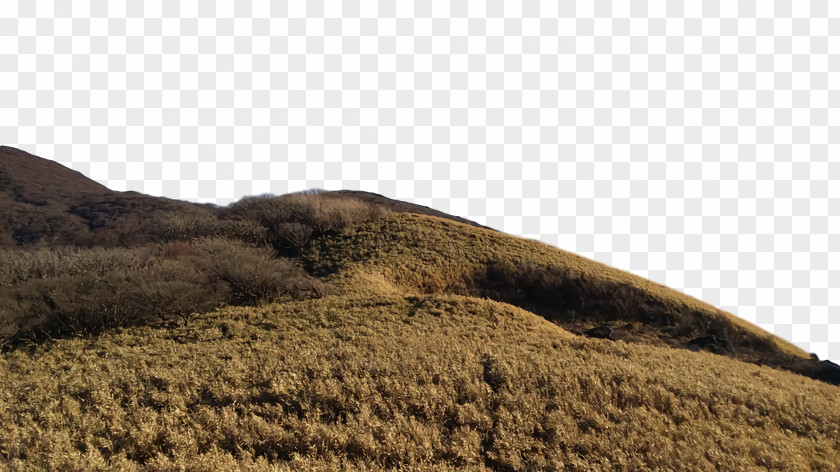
pixel 421 383
pixel 423 254
pixel 406 366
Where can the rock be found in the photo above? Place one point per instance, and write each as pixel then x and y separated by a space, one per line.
pixel 600 332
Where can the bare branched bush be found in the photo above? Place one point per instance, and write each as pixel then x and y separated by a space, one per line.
pixel 67 291
pixel 174 288
pixel 164 263
pixel 90 303
pixel 529 283
pixel 77 306
pixel 254 274
pixel 18 266
pixel 292 221
pixel 296 234
pixel 177 227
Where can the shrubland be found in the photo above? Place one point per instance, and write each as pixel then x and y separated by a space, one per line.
pixel 188 265
pixel 52 293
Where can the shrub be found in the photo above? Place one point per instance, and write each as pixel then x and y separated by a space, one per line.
pixel 18 265
pixel 292 221
pixel 177 227
pixel 296 234
pixel 54 292
pixel 254 274
pixel 73 306
pixel 527 283
pixel 89 304
pixel 174 288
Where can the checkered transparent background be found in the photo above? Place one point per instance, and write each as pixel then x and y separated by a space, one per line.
pixel 694 144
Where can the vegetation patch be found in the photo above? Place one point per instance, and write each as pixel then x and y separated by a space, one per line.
pixel 78 292
pixel 421 254
pixel 194 264
pixel 416 382
pixel 345 331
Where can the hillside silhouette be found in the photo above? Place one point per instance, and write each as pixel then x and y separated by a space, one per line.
pixel 345 330
pixel 45 203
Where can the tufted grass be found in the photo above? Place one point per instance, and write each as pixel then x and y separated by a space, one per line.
pixel 428 382
pixel 404 253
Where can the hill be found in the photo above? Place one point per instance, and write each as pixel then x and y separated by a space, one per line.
pixel 428 255
pixel 343 330
pixel 45 203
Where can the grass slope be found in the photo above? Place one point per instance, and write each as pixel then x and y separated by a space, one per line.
pixel 405 253
pixel 418 382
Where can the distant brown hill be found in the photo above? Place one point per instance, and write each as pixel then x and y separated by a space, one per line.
pixel 44 203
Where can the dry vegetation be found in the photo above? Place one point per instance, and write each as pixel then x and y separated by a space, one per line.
pixel 418 254
pixel 321 331
pixel 199 264
pixel 415 382
pixel 293 221
pixel 60 292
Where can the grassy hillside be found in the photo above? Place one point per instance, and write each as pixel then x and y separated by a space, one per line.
pixel 416 382
pixel 346 331
pixel 420 254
